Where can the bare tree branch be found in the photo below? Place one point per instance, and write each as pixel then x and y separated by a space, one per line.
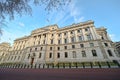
pixel 8 8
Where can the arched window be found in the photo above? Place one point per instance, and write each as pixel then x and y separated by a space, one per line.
pixel 94 53
pixel 109 52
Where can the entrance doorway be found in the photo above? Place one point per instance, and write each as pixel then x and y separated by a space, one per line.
pixel 32 60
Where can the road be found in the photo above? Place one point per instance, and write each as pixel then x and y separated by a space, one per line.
pixel 59 74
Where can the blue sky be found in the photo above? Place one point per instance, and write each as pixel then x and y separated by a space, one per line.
pixel 103 12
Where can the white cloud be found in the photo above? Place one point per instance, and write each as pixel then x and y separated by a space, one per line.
pixel 21 24
pixel 75 12
pixel 8 37
pixel 113 37
pixel 71 11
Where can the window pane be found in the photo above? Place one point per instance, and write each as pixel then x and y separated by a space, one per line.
pixel 39 55
pixel 35 49
pixel 28 56
pixel 110 53
pixel 78 31
pixel 58 55
pixel 65 47
pixel 89 37
pixel 80 38
pixel 72 39
pixel 65 40
pixel 50 48
pixel 86 29
pixel 91 45
pixel 50 55
pixel 83 54
pixel 73 46
pixel 51 41
pixel 94 53
pixel 74 54
pixel 59 41
pixel 106 44
pixel 81 45
pixel 41 48
pixel 58 48
pixel 66 54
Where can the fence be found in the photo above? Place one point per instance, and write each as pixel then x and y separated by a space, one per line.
pixel 64 65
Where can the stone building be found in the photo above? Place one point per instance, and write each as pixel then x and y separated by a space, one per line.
pixel 117 47
pixel 4 51
pixel 81 42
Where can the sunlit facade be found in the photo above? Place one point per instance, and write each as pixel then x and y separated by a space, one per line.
pixel 81 42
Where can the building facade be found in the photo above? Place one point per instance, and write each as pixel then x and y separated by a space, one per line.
pixel 81 42
pixel 4 52
pixel 117 47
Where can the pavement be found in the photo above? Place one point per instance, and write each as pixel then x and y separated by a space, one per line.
pixel 60 74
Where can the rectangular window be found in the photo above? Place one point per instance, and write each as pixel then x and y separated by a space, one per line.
pixel 94 53
pixel 74 54
pixel 11 57
pixel 83 54
pixel 52 34
pixel 91 44
pixel 28 56
pixel 39 36
pixel 58 48
pixel 80 38
pixel 65 47
pixel 81 45
pixel 18 57
pixel 35 49
pixel 71 32
pixel 38 42
pixel 41 48
pixel 50 48
pixel 51 41
pixel 65 40
pixel 30 49
pixel 40 55
pixel 73 46
pixel 33 54
pixel 106 44
pixel 44 35
pixel 109 52
pixel 43 41
pixel 15 58
pixel 59 41
pixel 59 34
pixel 89 37
pixel 66 54
pixel 58 55
pixel 72 39
pixel 64 34
pixel 50 55
pixel 78 31
pixel 86 29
